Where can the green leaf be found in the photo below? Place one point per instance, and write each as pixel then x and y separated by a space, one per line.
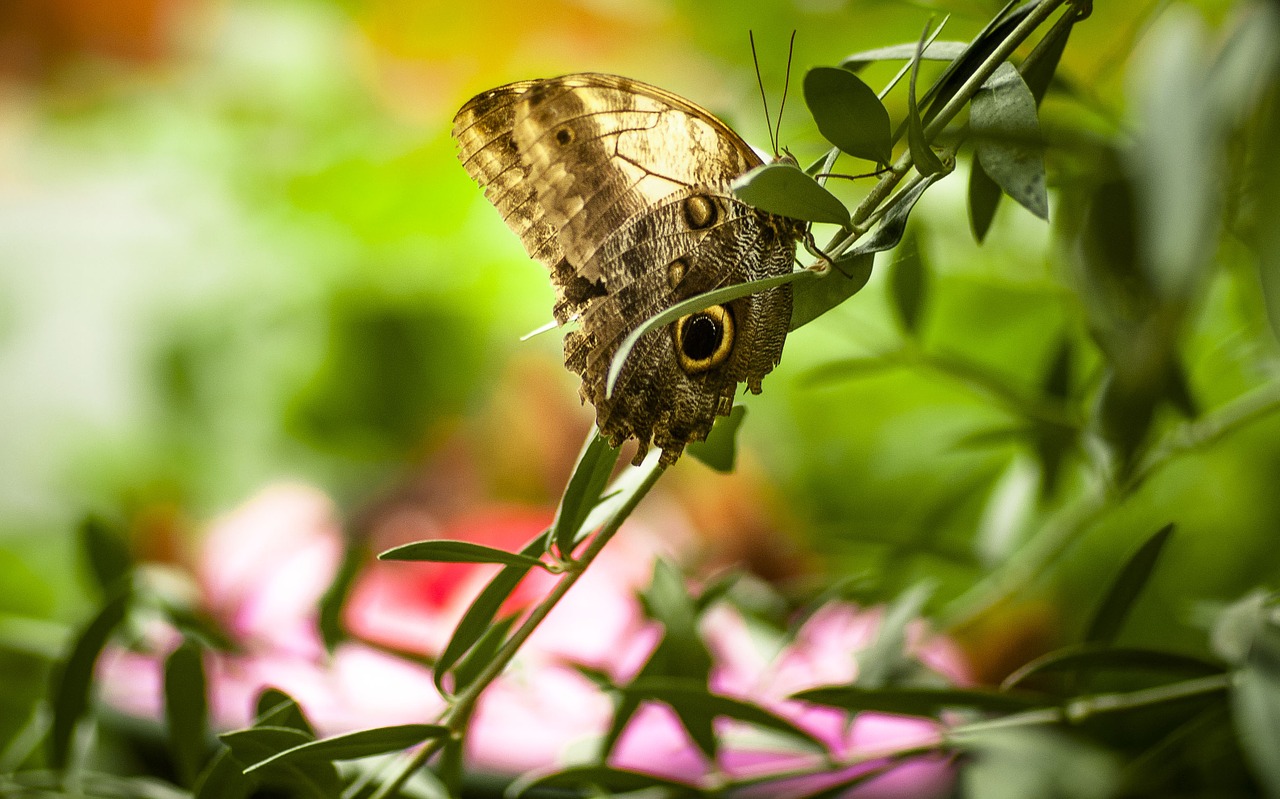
pixel 926 160
pixel 942 50
pixel 621 491
pixel 686 696
pixel 884 660
pixel 908 283
pixel 893 224
pixel 1125 589
pixel 480 615
pixel 315 779
pixel 1240 626
pixel 224 778
pixel 586 484
pixel 920 701
pixel 1007 142
pixel 984 198
pixel 73 678
pixel 450 767
pixel 1094 658
pixel 720 449
pixel 480 655
pixel 106 553
pixel 784 189
pixel 1018 763
pixel 275 708
pixel 355 745
pixel 606 778
pixel 814 296
pixel 1039 67
pixel 186 710
pixel 848 113
pixel 1255 708
pixel 692 305
pixel 452 551
pixel 335 596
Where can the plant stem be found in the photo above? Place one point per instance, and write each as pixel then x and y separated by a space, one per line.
pixel 459 712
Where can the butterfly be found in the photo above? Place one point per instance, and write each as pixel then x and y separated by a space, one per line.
pixel 623 190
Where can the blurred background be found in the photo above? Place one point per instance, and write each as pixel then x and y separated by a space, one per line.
pixel 236 247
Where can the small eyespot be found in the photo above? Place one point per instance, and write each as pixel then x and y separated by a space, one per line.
pixel 676 270
pixel 699 212
pixel 564 136
pixel 704 339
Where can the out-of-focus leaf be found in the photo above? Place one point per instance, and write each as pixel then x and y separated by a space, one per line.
pixel 814 296
pixel 1057 378
pixel 1178 389
pixel 275 708
pixel 926 160
pixel 355 745
pixel 335 596
pixel 186 710
pixel 479 616
pixel 688 695
pixel 106 553
pixel 615 781
pixel 73 677
pixel 1095 658
pixel 1239 626
pixel 1255 708
pixel 314 779
pixel 450 768
pixel 453 551
pixel 784 189
pixel 882 662
pixel 984 198
pixel 848 113
pixel 893 224
pixel 909 284
pixel 1114 609
pixel 223 778
pixel 1026 762
pixel 1007 144
pixel 913 701
pixel 590 475
pixel 720 450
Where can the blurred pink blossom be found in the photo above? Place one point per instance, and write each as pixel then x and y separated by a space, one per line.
pixel 264 567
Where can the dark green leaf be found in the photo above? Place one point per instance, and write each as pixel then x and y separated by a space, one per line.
pixel 1057 378
pixel 926 160
pixel 720 450
pixel 73 678
pixel 335 596
pixel 984 198
pixel 812 297
pixel 106 553
pixel 484 608
pixel 784 189
pixel 275 708
pixel 848 113
pixel 893 224
pixel 1125 589
pixel 1093 658
pixel 315 779
pixel 1255 708
pixel 909 284
pixel 1007 143
pixel 936 51
pixel 966 64
pixel 912 701
pixel 590 475
pixel 355 745
pixel 481 654
pixel 615 781
pixel 1039 67
pixel 685 696
pixel 224 778
pixel 451 551
pixel 450 768
pixel 186 710
pixel 691 305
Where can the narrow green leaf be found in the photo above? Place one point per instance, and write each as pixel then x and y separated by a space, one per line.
pixel 315 779
pixel 1007 143
pixel 484 608
pixel 848 113
pixel 984 199
pixel 1255 709
pixel 586 484
pixel 926 160
pixel 224 778
pixel 916 701
pixel 1127 586
pixel 451 551
pixel 720 450
pixel 355 745
pixel 332 631
pixel 691 305
pixel 275 708
pixel 909 283
pixel 480 655
pixel 813 296
pixel 893 224
pixel 1057 378
pixel 942 50
pixel 621 491
pixel 613 780
pixel 186 710
pixel 73 678
pixel 450 767
pixel 1039 67
pixel 823 164
pixel 106 553
pixel 685 695
pixel 1094 658
pixel 784 189
pixel 1239 626
pixel 884 660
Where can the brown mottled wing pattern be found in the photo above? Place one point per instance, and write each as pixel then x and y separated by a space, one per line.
pixel 622 189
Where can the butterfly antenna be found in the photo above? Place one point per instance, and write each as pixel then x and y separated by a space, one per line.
pixel 786 84
pixel 764 99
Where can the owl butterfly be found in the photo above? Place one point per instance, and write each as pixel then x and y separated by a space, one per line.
pixel 623 190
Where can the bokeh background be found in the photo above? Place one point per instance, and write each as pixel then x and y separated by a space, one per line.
pixel 236 247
